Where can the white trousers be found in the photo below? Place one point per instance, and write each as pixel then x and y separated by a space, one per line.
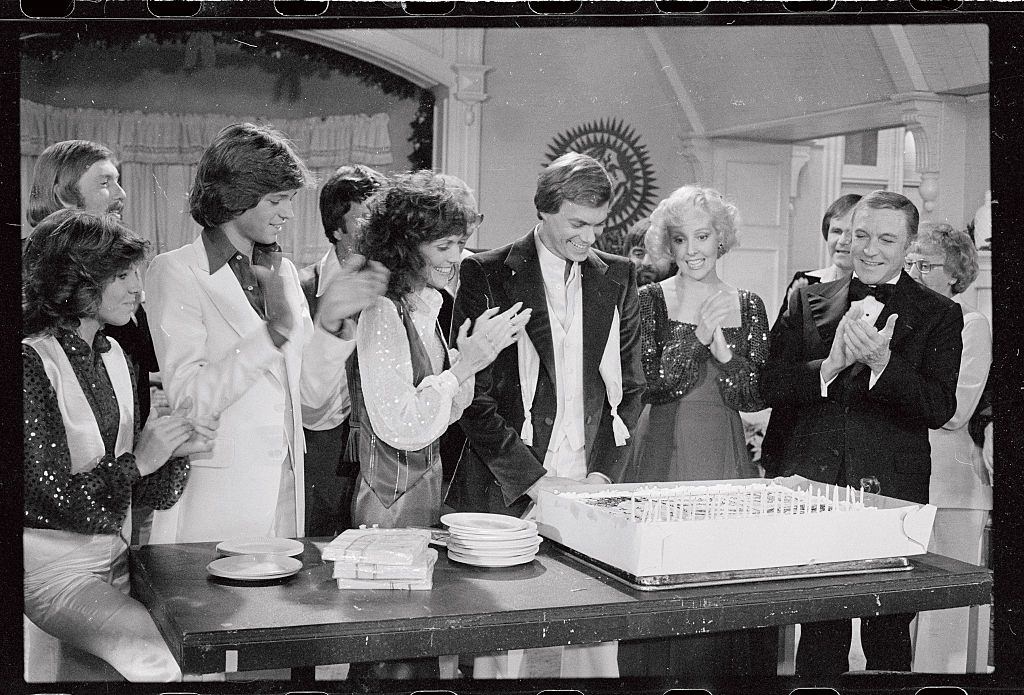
pixel 940 644
pixel 76 590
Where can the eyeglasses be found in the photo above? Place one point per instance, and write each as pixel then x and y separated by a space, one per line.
pixel 476 221
pixel 923 266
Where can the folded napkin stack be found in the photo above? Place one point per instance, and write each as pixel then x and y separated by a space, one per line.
pixel 372 558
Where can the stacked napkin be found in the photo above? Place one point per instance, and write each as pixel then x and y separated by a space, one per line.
pixel 373 558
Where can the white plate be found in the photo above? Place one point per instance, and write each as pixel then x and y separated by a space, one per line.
pixel 260 545
pixel 490 561
pixel 506 550
pixel 254 568
pixel 485 523
pixel 461 534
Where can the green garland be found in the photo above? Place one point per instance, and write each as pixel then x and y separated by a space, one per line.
pixel 287 58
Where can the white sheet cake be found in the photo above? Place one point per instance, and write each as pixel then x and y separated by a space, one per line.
pixel 715 526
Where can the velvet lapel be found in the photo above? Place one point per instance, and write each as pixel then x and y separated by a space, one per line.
pixel 903 303
pixel 827 304
pixel 599 300
pixel 225 293
pixel 527 285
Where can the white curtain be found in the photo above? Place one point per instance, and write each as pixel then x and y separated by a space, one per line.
pixel 159 152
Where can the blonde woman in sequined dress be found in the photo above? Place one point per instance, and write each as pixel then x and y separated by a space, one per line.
pixel 85 457
pixel 703 344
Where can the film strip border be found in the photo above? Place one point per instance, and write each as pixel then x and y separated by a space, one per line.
pixel 381 9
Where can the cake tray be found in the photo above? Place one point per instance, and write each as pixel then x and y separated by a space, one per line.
pixel 664 582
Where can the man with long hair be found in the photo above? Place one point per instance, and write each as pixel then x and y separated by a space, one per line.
pixel 233 332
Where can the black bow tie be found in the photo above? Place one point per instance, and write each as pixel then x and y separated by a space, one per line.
pixel 858 290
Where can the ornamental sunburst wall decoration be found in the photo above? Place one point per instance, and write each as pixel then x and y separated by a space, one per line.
pixel 617 146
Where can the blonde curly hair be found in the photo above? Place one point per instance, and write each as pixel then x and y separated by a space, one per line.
pixel 670 211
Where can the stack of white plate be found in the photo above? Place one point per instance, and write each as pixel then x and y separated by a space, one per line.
pixel 490 540
pixel 257 559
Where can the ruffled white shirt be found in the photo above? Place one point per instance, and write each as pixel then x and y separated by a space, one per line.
pixel 405 416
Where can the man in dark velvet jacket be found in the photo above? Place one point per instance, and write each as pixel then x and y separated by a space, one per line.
pixel 864 394
pixel 505 465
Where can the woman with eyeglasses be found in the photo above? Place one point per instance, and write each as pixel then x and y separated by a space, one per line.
pixel 945 260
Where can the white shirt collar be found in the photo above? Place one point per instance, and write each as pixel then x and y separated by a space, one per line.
pixel 428 299
pixel 891 281
pixel 551 266
pixel 329 268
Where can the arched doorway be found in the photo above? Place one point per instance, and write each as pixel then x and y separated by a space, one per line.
pixel 449 62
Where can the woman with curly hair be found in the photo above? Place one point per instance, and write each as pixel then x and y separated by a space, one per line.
pixel 945 260
pixel 86 460
pixel 703 343
pixel 408 387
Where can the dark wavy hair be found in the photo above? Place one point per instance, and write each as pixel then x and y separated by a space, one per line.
pixel 70 259
pixel 839 207
pixel 56 174
pixel 574 177
pixel 244 163
pixel 347 185
pixel 413 209
pixel 889 200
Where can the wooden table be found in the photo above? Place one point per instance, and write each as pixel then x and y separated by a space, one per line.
pixel 215 625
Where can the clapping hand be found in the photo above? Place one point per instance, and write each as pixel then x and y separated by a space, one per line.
pixel 868 345
pixel 492 333
pixel 795 286
pixel 356 287
pixel 176 434
pixel 204 429
pixel 839 357
pixel 714 311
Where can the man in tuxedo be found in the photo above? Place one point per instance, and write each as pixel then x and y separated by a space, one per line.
pixel 329 481
pixel 864 391
pixel 557 408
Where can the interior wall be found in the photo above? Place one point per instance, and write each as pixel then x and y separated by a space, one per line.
pixel 543 82
pixel 806 247
pixel 977 179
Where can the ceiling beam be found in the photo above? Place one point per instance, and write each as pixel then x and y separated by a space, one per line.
pixel 668 68
pixel 897 52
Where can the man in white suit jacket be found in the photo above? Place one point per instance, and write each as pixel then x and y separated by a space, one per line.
pixel 232 330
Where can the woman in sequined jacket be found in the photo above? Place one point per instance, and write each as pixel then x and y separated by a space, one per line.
pixel 703 344
pixel 85 457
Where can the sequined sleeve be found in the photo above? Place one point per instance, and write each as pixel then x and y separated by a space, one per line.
pixel 94 501
pixel 405 416
pixel 671 359
pixel 738 383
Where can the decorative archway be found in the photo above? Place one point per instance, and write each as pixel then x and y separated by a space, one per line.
pixel 449 62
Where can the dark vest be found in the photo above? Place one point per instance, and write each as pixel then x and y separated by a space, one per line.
pixel 389 472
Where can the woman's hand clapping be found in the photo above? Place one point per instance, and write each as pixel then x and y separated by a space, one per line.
pixel 492 333
pixel 714 312
pixel 167 436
